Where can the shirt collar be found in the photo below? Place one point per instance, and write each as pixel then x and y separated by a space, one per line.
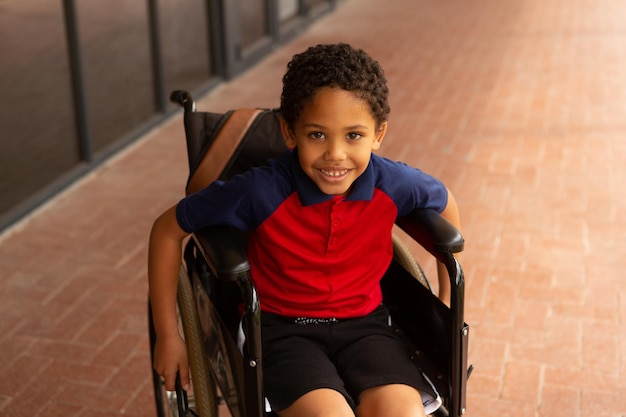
pixel 362 189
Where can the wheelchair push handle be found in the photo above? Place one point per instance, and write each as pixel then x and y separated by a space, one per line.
pixel 183 99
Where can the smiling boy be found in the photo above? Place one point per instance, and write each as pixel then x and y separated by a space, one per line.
pixel 320 221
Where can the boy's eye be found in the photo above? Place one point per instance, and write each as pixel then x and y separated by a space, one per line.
pixel 354 136
pixel 316 135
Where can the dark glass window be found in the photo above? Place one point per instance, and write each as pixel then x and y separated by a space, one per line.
pixel 186 43
pixel 288 10
pixel 318 5
pixel 38 141
pixel 115 48
pixel 252 21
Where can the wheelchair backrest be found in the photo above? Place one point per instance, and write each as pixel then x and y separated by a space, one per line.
pixel 222 145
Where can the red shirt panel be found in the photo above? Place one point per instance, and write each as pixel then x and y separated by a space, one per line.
pixel 323 260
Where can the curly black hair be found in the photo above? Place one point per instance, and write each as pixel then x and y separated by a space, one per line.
pixel 334 66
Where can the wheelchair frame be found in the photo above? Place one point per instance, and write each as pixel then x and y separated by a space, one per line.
pixel 214 261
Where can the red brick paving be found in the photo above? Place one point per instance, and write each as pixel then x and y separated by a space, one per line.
pixel 519 106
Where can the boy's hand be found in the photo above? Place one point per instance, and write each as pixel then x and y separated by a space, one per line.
pixel 170 356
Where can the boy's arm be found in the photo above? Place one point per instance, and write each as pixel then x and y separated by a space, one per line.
pixel 164 259
pixel 451 214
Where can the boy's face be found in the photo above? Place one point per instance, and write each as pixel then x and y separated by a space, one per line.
pixel 335 135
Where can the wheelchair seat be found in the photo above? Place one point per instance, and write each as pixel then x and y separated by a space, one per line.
pixel 218 302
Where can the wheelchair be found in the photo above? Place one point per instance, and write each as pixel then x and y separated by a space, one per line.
pixel 219 312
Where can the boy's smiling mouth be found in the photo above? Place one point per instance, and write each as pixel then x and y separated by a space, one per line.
pixel 334 173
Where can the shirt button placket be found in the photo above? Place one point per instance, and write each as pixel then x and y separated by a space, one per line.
pixel 335 222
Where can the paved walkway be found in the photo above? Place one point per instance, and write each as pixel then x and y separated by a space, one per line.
pixel 518 105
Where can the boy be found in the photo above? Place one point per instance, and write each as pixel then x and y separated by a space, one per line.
pixel 320 219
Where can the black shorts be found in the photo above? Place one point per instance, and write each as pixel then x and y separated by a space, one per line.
pixel 348 356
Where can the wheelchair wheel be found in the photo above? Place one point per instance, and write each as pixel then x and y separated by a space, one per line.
pixel 201 400
pixel 403 257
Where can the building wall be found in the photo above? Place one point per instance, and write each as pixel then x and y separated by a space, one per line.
pixel 82 79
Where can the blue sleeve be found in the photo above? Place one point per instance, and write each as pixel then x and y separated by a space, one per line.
pixel 410 188
pixel 218 204
pixel 243 202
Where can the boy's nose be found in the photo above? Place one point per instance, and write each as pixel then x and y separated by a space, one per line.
pixel 335 150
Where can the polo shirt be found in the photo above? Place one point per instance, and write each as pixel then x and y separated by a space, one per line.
pixel 312 254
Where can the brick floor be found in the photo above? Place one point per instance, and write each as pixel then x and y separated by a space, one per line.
pixel 518 105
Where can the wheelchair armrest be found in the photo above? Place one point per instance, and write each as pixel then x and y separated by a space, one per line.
pixel 441 239
pixel 224 248
pixel 433 232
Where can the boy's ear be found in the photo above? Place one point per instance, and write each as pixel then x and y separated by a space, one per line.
pixel 380 135
pixel 288 135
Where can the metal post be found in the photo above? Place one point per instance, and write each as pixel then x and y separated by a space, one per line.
pixel 77 80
